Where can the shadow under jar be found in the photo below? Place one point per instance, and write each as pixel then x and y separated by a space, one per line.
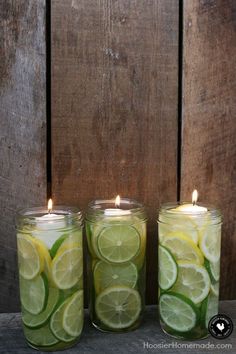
pixel 116 240
pixel 189 269
pixel 50 259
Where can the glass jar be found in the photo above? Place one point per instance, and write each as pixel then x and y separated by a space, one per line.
pixel 189 268
pixel 50 260
pixel 116 240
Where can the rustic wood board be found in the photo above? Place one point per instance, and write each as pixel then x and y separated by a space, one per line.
pixel 147 338
pixel 209 110
pixel 22 128
pixel 114 105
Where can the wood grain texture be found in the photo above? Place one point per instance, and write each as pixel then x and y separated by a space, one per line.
pixel 22 128
pixel 209 109
pixel 147 338
pixel 114 105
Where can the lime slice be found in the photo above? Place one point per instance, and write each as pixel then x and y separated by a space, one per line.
pixel 210 242
pixel 140 258
pixel 73 315
pixel 34 294
pixel 57 244
pixel 213 270
pixel 106 275
pixel 36 321
pixel 167 269
pixel 118 307
pixel 67 267
pixel 178 312
pixel 30 262
pixel 215 289
pixel 40 337
pixel 193 281
pixel 212 308
pixel 118 243
pixel 183 248
pixel 74 239
pixel 56 323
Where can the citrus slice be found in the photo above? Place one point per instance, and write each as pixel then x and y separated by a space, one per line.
pixel 193 281
pixel 215 289
pixel 178 312
pixel 74 238
pixel 106 275
pixel 57 245
pixel 118 243
pixel 210 243
pixel 167 274
pixel 56 323
pixel 45 255
pixel 67 268
pixel 40 337
pixel 73 315
pixel 213 270
pixel 212 308
pixel 36 321
pixel 118 307
pixel 34 294
pixel 182 248
pixel 30 261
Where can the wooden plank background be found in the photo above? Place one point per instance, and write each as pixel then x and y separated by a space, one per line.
pixel 209 111
pixel 22 128
pixel 114 105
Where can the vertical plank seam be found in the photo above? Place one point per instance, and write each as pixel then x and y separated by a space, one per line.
pixel 180 100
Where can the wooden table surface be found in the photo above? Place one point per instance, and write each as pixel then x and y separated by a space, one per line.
pixel 149 334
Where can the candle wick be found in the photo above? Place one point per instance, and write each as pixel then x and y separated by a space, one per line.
pixel 194 202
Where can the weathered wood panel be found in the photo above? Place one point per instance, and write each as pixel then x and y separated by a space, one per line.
pixel 209 110
pixel 114 105
pixel 22 128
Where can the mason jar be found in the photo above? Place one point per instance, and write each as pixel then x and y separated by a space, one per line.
pixel 189 268
pixel 50 260
pixel 116 238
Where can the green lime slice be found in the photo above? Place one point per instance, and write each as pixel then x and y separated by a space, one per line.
pixel 212 308
pixel 106 275
pixel 118 307
pixel 215 289
pixel 210 240
pixel 30 262
pixel 73 316
pixel 118 243
pixel 40 337
pixel 57 244
pixel 193 281
pixel 182 247
pixel 74 239
pixel 213 270
pixel 67 267
pixel 34 294
pixel 36 321
pixel 56 323
pixel 178 312
pixel 168 270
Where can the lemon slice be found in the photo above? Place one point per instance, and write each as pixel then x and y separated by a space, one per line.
pixel 73 315
pixel 210 243
pixel 193 281
pixel 40 337
pixel 30 261
pixel 106 275
pixel 118 307
pixel 34 294
pixel 183 248
pixel 56 323
pixel 167 274
pixel 118 243
pixel 178 312
pixel 45 256
pixel 36 321
pixel 67 267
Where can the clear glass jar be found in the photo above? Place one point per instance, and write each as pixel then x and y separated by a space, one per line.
pixel 50 259
pixel 189 268
pixel 116 240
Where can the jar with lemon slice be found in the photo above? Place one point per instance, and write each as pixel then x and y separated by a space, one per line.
pixel 189 268
pixel 116 237
pixel 50 258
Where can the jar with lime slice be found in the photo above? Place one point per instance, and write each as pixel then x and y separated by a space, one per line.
pixel 189 268
pixel 50 258
pixel 116 237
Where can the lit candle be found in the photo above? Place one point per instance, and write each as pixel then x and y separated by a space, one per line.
pixel 116 211
pixel 192 208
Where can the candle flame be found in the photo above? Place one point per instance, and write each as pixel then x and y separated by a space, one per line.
pixel 117 201
pixel 194 196
pixel 50 205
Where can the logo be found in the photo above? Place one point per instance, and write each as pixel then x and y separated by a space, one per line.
pixel 220 326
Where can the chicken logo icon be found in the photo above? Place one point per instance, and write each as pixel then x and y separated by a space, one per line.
pixel 220 326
